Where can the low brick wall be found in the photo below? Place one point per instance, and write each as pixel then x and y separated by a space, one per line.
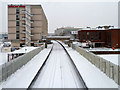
pixel 110 69
pixel 9 68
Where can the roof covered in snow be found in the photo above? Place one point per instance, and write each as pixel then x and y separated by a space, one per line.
pixel 58 36
pixel 23 50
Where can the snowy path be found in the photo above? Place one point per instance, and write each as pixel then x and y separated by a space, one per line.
pixel 93 77
pixel 58 71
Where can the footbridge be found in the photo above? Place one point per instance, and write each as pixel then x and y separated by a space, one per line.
pixel 61 38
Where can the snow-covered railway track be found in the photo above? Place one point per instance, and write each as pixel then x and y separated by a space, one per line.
pixel 58 71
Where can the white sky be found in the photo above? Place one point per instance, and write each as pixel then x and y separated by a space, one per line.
pixel 77 13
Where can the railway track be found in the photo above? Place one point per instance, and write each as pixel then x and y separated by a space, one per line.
pixel 58 71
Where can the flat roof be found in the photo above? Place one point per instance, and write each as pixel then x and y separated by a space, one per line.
pixel 23 50
pixel 58 36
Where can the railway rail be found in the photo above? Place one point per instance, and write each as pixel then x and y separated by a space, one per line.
pixel 58 71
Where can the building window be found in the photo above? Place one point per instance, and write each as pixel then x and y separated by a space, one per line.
pixel 99 35
pixel 17 10
pixel 87 35
pixel 110 39
pixel 17 17
pixel 17 23
pixel 17 36
pixel 91 35
pixel 95 35
pixel 80 36
pixel 83 35
pixel 17 31
pixel 17 28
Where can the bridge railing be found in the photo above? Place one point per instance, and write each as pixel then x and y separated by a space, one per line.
pixel 110 69
pixel 9 68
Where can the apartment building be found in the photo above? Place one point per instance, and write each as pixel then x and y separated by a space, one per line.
pixel 27 24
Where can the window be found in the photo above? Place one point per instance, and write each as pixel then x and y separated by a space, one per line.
pixel 17 10
pixel 17 28
pixel 95 35
pixel 91 35
pixel 17 36
pixel 17 17
pixel 80 36
pixel 17 23
pixel 110 38
pixel 87 35
pixel 17 31
pixel 83 35
pixel 99 35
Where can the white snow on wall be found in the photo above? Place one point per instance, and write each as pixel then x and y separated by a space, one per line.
pixel 111 57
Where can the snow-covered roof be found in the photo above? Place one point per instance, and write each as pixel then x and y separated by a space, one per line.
pixel 93 29
pixel 23 50
pixel 103 49
pixel 58 36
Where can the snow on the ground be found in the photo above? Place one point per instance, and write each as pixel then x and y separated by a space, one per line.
pixel 58 71
pixel 93 77
pixel 4 56
pixel 103 49
pixel 80 44
pixel 22 77
pixel 111 57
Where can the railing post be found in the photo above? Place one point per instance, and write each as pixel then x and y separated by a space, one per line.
pixel 46 44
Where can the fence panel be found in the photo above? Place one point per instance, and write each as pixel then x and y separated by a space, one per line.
pixel 110 69
pixel 9 68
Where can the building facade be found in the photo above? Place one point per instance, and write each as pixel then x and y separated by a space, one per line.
pixel 27 24
pixel 100 38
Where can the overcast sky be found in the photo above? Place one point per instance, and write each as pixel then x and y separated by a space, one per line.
pixel 79 13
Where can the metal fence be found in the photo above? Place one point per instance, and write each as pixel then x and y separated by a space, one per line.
pixel 9 68
pixel 110 69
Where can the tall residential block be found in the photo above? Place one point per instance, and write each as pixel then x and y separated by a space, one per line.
pixel 27 24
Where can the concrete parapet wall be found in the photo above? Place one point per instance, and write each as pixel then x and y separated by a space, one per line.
pixel 110 69
pixel 9 68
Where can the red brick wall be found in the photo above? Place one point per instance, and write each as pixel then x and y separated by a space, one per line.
pixel 112 40
pixel 80 35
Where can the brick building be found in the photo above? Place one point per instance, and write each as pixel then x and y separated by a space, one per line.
pixel 27 24
pixel 100 38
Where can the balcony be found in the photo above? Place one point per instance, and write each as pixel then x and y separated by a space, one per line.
pixel 23 31
pixel 31 35
pixel 23 38
pixel 32 21
pixel 23 24
pixel 27 19
pixel 26 12
pixel 23 18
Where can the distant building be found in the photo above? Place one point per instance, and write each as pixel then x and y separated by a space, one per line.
pixel 67 31
pixel 27 24
pixel 100 37
pixel 4 36
pixel 51 34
